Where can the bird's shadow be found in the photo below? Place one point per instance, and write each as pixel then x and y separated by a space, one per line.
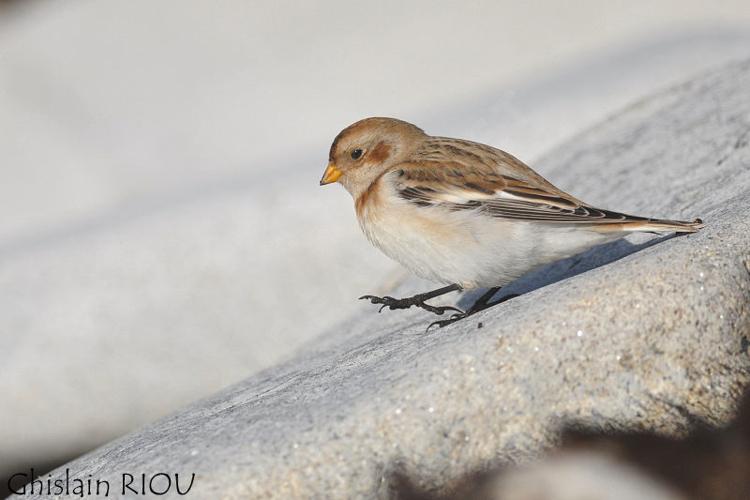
pixel 563 269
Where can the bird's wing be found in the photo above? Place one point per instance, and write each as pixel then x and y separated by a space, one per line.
pixel 506 193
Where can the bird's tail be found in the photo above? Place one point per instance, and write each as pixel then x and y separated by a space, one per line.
pixel 639 224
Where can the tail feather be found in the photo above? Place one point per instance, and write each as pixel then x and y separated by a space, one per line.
pixel 639 224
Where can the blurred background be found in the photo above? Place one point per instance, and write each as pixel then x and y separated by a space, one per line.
pixel 162 232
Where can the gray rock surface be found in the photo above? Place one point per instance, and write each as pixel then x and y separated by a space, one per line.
pixel 644 341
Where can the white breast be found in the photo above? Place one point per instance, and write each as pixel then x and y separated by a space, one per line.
pixel 463 246
pixel 435 244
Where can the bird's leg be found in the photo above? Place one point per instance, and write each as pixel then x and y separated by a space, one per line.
pixel 481 304
pixel 416 300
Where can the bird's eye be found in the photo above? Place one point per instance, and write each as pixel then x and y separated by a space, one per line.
pixel 357 154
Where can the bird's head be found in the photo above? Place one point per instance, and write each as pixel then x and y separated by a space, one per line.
pixel 364 150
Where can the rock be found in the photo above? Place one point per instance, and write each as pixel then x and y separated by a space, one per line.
pixel 708 464
pixel 650 341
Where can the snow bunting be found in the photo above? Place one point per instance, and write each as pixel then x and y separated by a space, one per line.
pixel 462 213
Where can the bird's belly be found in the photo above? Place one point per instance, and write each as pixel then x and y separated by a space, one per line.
pixel 425 248
pixel 467 249
pixel 444 247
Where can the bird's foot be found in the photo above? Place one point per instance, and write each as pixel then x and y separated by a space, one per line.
pixel 415 301
pixel 451 320
pixel 477 307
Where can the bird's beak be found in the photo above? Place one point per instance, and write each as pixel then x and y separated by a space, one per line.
pixel 331 174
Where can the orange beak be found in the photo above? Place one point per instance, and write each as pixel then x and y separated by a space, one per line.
pixel 332 174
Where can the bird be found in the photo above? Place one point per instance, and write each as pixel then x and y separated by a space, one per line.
pixel 464 214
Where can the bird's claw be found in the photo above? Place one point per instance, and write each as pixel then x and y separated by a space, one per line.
pixel 445 322
pixel 385 301
pixel 375 299
pixel 439 310
pixel 394 303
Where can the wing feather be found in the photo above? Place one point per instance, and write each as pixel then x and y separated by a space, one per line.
pixel 505 189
